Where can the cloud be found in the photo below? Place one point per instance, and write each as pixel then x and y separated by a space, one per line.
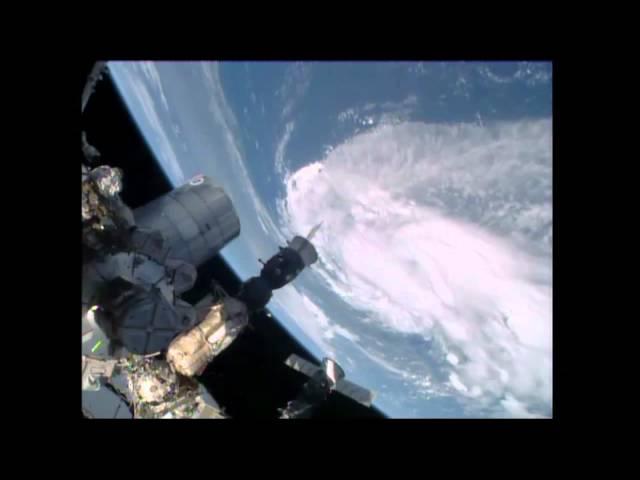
pixel 151 73
pixel 488 73
pixel 228 124
pixel 390 367
pixel 282 148
pixel 515 408
pixel 417 235
pixel 533 73
pixel 384 113
pixel 296 82
pixel 463 74
pixel 343 332
pixel 127 77
pixel 310 318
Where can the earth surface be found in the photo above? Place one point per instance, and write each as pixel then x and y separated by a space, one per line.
pixel 433 183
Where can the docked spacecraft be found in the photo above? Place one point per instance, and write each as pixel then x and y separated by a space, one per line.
pixel 323 380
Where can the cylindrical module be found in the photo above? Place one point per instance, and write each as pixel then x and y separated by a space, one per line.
pixel 305 249
pixel 191 351
pixel 197 220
